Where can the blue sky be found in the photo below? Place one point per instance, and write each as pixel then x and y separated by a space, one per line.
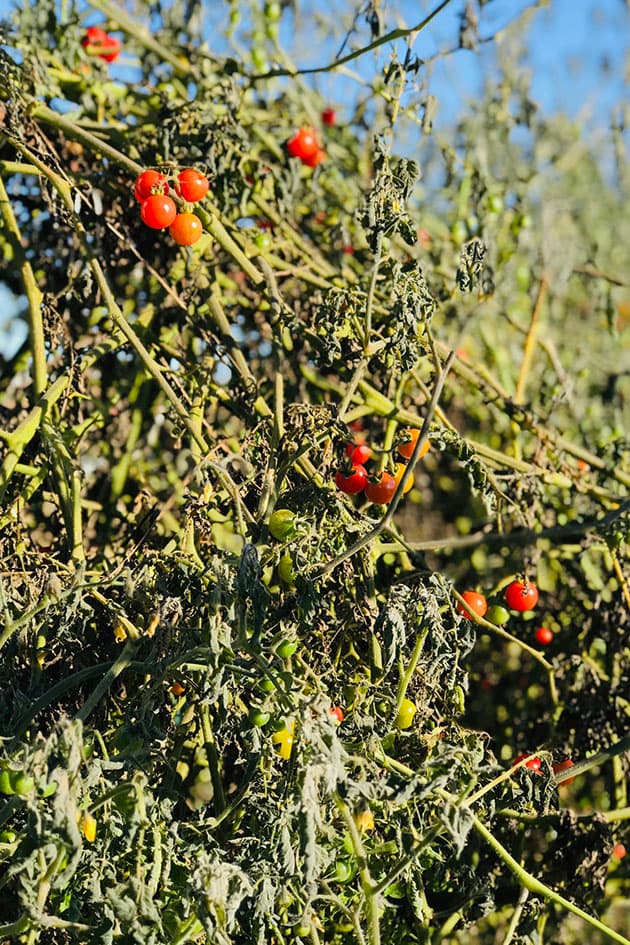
pixel 578 52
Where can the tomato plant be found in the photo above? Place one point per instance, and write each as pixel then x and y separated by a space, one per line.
pixel 158 211
pixel 192 185
pixel 186 229
pixel 381 489
pixel 521 595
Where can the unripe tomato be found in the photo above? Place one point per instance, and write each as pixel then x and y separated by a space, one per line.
pixel 407 710
pixel 281 524
pixel 286 649
pixel 88 828
pixel 192 185
pixel 364 821
pixel 408 442
pixel 286 571
pixel 22 783
pixel 186 229
pixel 149 182
pixel 257 717
pixel 477 603
pixel 6 787
pixel 158 211
pixel 544 636
pixel 495 203
pixel 497 615
pixel 343 871
pixel 521 596
pixel 353 481
pixel 381 491
pixel 303 145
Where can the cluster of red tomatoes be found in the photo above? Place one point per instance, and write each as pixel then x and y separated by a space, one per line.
pixel 305 144
pixel 519 595
pixel 159 211
pixel 97 42
pixel 353 477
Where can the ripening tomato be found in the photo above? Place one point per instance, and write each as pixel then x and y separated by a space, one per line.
pixel 399 473
pixel 329 116
pixel 543 636
pixel 88 828
pixel 303 145
pixel 283 740
pixel 534 764
pixel 358 453
pixel 192 185
pixel 364 821
pixel 186 229
pixel 476 602
pixel 337 714
pixel 406 712
pixel 381 491
pixel 619 851
pixel 563 766
pixel 149 182
pixel 158 211
pixel 521 595
pixel 408 442
pixel 353 481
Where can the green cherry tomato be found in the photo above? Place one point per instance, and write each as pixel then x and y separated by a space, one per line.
pixel 497 615
pixel 8 836
pixel 495 203
pixel 286 648
pixel 343 871
pixel 282 524
pixel 286 572
pixel 6 787
pixel 257 717
pixel 22 783
pixel 407 710
pixel 459 232
pixel 266 685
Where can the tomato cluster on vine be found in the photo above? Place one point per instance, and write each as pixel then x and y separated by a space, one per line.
pixel 353 478
pixel 158 210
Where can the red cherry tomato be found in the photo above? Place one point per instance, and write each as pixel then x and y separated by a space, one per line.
pixel 315 159
pixel 353 481
pixel 521 596
pixel 534 764
pixel 303 144
pixel 101 44
pixel 406 446
pixel 158 211
pixel 543 636
pixel 186 229
pixel 381 491
pixel 477 603
pixel 562 766
pixel 150 182
pixel 619 851
pixel 192 184
pixel 358 453
pixel 329 116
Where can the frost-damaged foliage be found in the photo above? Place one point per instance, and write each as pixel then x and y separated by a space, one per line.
pixel 173 767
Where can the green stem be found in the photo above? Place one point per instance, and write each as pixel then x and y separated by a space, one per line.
pixel 534 885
